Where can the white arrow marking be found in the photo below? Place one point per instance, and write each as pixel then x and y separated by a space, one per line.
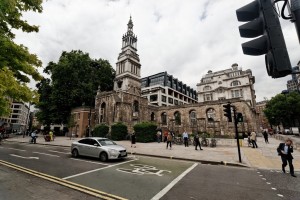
pixel 24 157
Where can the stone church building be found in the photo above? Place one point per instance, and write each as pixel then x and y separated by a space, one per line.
pixel 126 104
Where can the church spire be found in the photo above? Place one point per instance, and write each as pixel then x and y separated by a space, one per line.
pixel 129 39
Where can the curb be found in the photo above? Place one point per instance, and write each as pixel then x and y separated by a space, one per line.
pixel 166 157
pixel 193 160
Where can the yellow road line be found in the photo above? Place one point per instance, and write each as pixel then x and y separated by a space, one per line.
pixel 75 186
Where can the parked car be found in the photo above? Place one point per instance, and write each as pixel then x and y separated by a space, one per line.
pixel 98 147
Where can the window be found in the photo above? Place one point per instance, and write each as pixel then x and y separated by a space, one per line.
pixel 177 117
pixel 152 117
pixel 163 98
pixel 170 100
pixel 207 88
pixel 163 91
pixel 135 106
pixel 193 118
pixel 211 113
pixel 164 118
pixel 176 102
pixel 208 97
pixel 236 93
pixel 235 83
pixel 153 97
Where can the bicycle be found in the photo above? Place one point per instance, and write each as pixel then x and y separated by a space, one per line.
pixel 191 141
pixel 213 142
pixel 204 142
pixel 178 140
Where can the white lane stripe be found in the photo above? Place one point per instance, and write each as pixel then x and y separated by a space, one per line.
pixel 24 157
pixel 59 152
pixel 273 188
pixel 46 154
pixel 176 180
pixel 89 161
pixel 280 195
pixel 268 183
pixel 68 177
pixel 16 149
pixel 264 179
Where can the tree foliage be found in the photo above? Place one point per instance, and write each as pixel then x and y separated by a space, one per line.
pixel 284 108
pixel 101 130
pixel 74 81
pixel 119 131
pixel 145 131
pixel 17 65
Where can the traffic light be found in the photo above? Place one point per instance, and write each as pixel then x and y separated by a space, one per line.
pixel 239 117
pixel 227 111
pixel 264 22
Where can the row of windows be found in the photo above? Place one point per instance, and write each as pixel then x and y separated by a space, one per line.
pixel 234 94
pixel 164 99
pixel 233 83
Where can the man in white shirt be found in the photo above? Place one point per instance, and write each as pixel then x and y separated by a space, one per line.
pixel 185 136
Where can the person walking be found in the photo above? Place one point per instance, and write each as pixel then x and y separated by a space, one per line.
pixel 285 150
pixel 133 140
pixel 185 138
pixel 253 139
pixel 169 141
pixel 197 142
pixel 165 135
pixel 51 135
pixel 266 136
pixel 158 136
pixel 33 137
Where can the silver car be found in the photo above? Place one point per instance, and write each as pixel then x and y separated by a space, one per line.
pixel 98 147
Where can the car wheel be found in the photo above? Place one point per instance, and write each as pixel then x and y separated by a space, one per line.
pixel 103 156
pixel 75 153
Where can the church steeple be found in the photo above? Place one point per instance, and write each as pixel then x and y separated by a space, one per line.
pixel 128 69
pixel 129 39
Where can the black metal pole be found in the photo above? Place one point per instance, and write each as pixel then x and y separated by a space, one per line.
pixel 237 134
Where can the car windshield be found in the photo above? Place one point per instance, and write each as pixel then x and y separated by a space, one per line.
pixel 106 142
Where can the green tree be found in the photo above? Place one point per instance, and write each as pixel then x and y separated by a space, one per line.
pixel 74 81
pixel 16 63
pixel 285 109
pixel 145 131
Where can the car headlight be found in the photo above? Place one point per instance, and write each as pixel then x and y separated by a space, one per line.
pixel 113 151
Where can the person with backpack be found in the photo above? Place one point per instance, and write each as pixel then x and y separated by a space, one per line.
pixel 285 150
pixel 169 140
pixel 197 142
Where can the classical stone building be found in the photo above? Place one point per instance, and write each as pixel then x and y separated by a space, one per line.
pixel 263 122
pixel 228 84
pixel 126 103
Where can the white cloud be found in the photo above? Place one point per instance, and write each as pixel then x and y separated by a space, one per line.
pixel 185 38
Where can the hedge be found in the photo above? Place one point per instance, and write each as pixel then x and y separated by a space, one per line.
pixel 145 132
pixel 119 131
pixel 101 130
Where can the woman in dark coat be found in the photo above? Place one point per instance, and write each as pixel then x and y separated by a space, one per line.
pixel 133 140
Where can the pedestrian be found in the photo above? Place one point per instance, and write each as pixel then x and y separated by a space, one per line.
pixel 185 138
pixel 285 150
pixel 165 135
pixel 266 136
pixel 253 139
pixel 158 136
pixel 133 140
pixel 33 137
pixel 51 135
pixel 197 142
pixel 169 141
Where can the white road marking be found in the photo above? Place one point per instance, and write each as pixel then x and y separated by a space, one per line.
pixel 263 178
pixel 280 195
pixel 273 188
pixel 89 161
pixel 176 180
pixel 258 172
pixel 68 177
pixel 24 157
pixel 268 183
pixel 59 152
pixel 260 175
pixel 46 154
pixel 16 149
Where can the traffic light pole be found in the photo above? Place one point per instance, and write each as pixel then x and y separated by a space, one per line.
pixel 237 133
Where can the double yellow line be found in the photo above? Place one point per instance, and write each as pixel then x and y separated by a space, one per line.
pixel 75 186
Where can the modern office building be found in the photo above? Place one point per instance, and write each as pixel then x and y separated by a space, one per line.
pixel 228 84
pixel 163 89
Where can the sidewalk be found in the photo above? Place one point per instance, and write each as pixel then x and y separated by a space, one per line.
pixel 264 157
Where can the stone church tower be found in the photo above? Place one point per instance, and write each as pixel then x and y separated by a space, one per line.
pixel 128 67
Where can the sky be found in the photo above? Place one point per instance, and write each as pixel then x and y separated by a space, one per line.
pixel 184 38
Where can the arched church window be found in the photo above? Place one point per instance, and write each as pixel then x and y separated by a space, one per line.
pixel 193 118
pixel 102 112
pixel 152 116
pixel 235 83
pixel 177 117
pixel 164 118
pixel 135 106
pixel 211 113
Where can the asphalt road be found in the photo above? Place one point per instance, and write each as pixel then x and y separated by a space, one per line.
pixel 15 185
pixel 143 178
